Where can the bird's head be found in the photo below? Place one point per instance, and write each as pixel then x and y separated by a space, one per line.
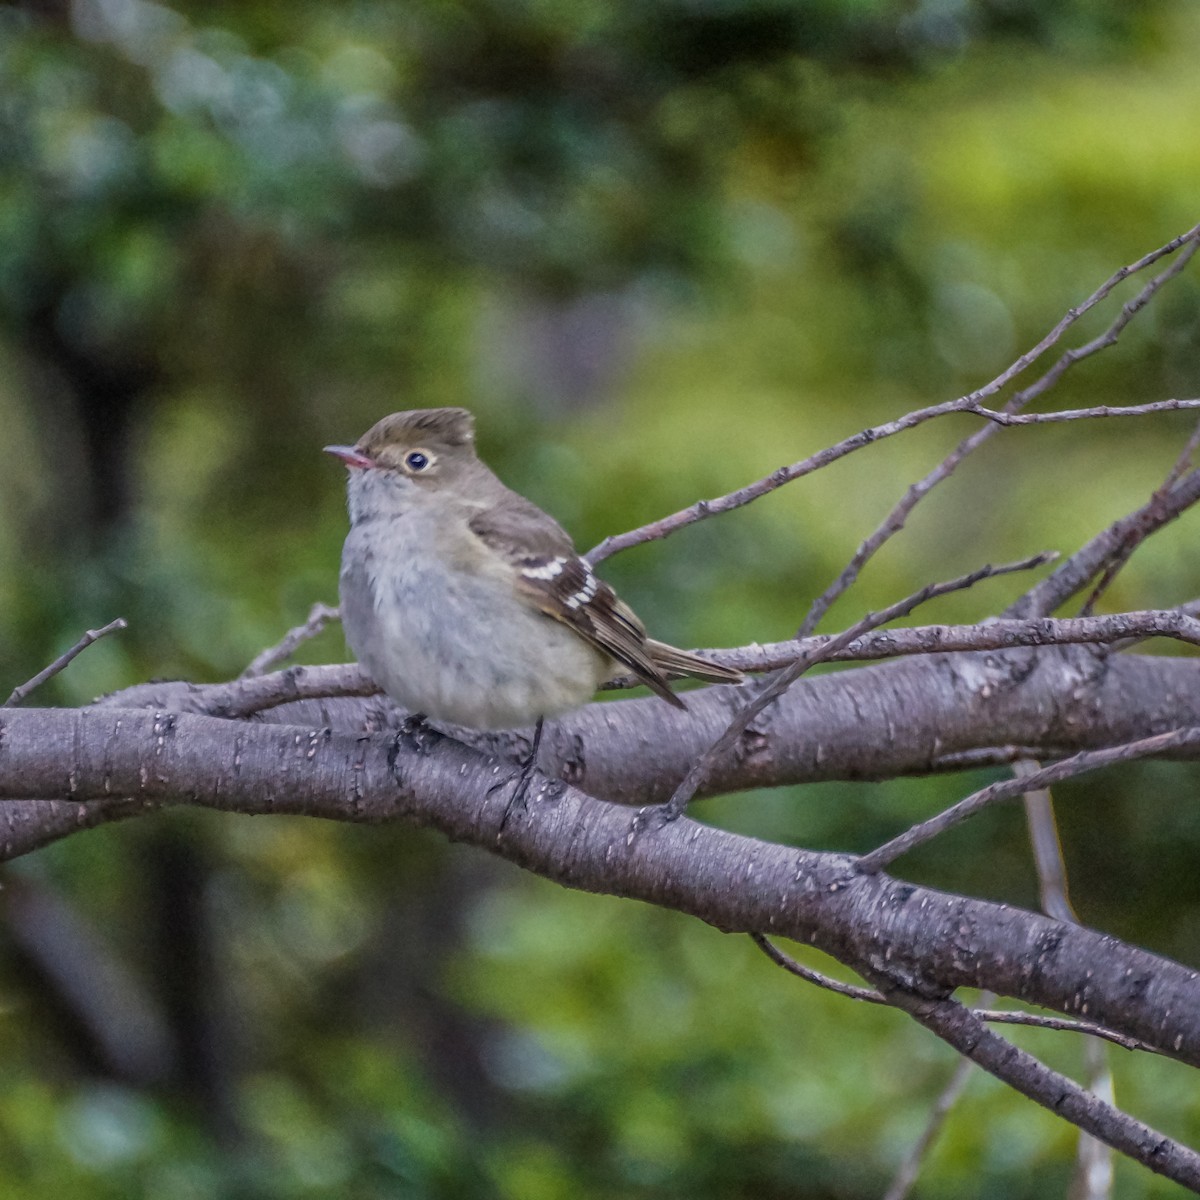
pixel 406 456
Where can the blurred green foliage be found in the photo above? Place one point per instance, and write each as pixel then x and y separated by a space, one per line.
pixel 660 248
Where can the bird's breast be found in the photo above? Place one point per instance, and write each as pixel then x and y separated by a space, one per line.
pixel 445 633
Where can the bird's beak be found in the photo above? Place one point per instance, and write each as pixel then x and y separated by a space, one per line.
pixel 350 456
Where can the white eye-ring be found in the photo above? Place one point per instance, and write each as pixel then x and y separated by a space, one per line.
pixel 417 461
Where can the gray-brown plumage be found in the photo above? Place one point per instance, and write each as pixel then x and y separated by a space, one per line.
pixel 467 602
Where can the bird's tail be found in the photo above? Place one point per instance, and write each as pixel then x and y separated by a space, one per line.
pixel 680 662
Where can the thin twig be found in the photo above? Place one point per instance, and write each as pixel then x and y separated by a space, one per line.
pixel 895 520
pixel 1129 310
pixel 906 1174
pixel 1121 556
pixel 890 526
pixel 1007 789
pixel 1111 629
pixel 702 509
pixel 1074 574
pixel 318 617
pixel 1159 501
pixel 1181 464
pixel 63 661
pixel 1093 1161
pixel 786 474
pixel 995 1016
pixel 1044 841
pixel 784 679
pixel 818 978
pixel 1003 1016
pixel 1083 414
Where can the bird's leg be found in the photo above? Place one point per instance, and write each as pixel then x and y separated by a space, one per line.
pixel 528 766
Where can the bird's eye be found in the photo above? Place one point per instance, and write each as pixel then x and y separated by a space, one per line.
pixel 416 460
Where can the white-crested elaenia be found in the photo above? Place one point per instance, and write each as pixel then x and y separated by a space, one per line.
pixel 466 602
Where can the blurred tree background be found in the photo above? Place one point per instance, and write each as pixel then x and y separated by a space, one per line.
pixel 660 247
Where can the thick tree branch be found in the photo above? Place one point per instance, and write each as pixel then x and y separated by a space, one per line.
pixel 907 717
pixel 884 929
pixel 246 696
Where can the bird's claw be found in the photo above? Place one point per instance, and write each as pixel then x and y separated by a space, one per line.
pixel 417 734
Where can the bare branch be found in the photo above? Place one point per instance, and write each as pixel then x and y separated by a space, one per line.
pixel 702 509
pixel 1093 1162
pixel 318 617
pixel 1125 551
pixel 1004 1016
pixel 894 522
pixel 994 1016
pixel 867 922
pixel 247 695
pixel 968 1035
pixel 818 978
pixel 1007 789
pixel 348 679
pixel 1083 414
pixel 786 474
pixel 776 687
pixel 891 525
pixel 1093 1179
pixel 910 1168
pixel 919 715
pixel 1112 547
pixel 1129 310
pixel 1003 634
pixel 908 1171
pixel 1181 464
pixel 1047 849
pixel 1073 575
pixel 63 661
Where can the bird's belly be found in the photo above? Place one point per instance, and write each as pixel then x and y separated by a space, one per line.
pixel 463 648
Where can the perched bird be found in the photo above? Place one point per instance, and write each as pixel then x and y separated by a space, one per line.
pixel 466 602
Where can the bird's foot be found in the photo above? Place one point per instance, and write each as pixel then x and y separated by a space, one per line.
pixel 517 801
pixel 416 736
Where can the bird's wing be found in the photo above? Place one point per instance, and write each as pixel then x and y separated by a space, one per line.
pixel 560 584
